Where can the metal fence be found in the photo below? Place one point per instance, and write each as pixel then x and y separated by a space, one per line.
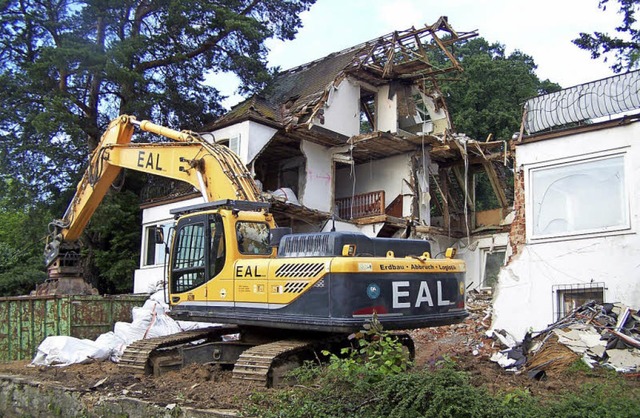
pixel 600 98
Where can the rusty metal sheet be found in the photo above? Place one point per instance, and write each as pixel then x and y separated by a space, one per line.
pixel 95 315
pixel 25 321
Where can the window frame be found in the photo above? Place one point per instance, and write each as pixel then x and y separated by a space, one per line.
pixel 484 253
pixel 529 173
pixel 185 278
pixel 147 237
pixel 561 291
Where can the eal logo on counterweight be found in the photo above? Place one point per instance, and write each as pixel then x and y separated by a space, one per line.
pixel 373 291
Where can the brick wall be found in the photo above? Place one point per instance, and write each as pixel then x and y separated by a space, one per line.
pixel 518 233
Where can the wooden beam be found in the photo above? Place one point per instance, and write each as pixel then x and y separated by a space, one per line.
pixel 438 231
pixel 368 114
pixel 388 66
pixel 457 172
pixel 497 184
pixel 444 189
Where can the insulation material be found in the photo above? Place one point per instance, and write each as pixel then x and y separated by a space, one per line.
pixel 151 320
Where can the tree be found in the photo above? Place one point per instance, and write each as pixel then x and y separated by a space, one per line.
pixel 625 48
pixel 68 67
pixel 21 265
pixel 488 95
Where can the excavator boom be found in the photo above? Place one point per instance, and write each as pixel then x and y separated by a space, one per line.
pixel 213 169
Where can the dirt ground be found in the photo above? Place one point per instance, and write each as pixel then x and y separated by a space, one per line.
pixel 209 386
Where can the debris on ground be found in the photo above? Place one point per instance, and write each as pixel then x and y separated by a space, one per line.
pixel 468 344
pixel 468 337
pixel 150 320
pixel 605 335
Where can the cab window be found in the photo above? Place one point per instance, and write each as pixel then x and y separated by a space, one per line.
pixel 253 238
pixel 217 249
pixel 188 261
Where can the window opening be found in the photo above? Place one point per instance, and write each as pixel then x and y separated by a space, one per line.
pixel 493 260
pixel 253 238
pixel 572 296
pixel 150 258
pixel 232 143
pixel 367 111
pixel 154 250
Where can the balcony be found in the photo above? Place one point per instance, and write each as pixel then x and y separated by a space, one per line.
pixel 361 205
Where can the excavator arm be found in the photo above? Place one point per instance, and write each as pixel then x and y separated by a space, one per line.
pixel 213 169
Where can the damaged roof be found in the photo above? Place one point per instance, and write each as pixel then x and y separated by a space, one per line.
pixel 295 95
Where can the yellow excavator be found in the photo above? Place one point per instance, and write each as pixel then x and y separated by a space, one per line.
pixel 282 295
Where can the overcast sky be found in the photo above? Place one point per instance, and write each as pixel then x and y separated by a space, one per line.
pixel 542 29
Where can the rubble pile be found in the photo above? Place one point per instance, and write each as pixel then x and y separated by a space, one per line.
pixel 467 337
pixel 600 334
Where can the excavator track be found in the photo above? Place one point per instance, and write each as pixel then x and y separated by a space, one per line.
pixel 137 355
pixel 258 364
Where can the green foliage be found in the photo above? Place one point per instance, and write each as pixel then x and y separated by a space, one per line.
pixel 442 391
pixel 612 399
pixel 578 366
pixel 625 48
pixel 487 97
pixel 67 68
pixel 373 355
pixel 112 243
pixel 21 261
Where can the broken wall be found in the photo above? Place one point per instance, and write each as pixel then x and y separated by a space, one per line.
pixel 480 254
pixel 252 136
pixel 530 289
pixel 386 111
pixel 317 190
pixel 342 109
pixel 391 174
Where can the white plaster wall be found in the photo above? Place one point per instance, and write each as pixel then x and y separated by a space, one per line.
pixel 239 129
pixel 317 191
pixel 340 226
pixel 259 137
pixel 524 296
pixel 253 138
pixel 160 213
pixel 146 278
pixel 388 174
pixel 471 251
pixel 386 111
pixel 342 109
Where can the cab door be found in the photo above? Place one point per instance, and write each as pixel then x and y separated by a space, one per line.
pixel 220 285
pixel 188 269
pixel 250 272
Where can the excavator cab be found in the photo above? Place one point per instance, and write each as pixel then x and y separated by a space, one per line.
pixel 208 239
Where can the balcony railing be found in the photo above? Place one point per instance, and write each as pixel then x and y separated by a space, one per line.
pixel 361 205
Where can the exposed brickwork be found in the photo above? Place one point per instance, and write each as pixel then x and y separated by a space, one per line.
pixel 518 233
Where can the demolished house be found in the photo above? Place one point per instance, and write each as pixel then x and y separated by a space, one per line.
pixel 575 237
pixel 361 140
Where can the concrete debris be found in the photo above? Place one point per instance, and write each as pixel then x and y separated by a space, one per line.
pixel 467 337
pixel 600 334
